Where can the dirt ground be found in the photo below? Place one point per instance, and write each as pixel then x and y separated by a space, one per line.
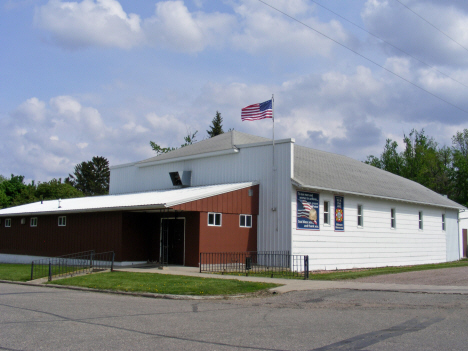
pixel 457 276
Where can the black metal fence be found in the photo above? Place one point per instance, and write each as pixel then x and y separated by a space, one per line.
pixel 266 263
pixel 74 264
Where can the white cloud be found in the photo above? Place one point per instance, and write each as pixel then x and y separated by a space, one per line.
pixel 402 28
pixel 251 26
pixel 264 30
pixel 80 24
pixel 173 26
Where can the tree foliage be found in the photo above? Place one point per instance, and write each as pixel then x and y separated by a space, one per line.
pixel 91 177
pixel 14 191
pixel 189 139
pixel 216 127
pixel 442 169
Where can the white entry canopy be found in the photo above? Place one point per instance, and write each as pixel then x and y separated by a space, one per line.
pixel 151 200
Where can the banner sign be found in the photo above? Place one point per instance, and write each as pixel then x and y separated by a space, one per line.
pixel 308 211
pixel 339 213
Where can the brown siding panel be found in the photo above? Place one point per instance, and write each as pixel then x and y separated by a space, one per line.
pixel 84 231
pixel 237 201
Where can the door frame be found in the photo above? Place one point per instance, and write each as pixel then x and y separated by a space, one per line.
pixel 161 234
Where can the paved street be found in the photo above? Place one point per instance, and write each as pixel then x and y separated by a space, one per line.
pixel 38 318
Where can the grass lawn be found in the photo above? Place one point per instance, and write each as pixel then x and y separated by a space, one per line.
pixel 16 272
pixel 361 273
pixel 164 284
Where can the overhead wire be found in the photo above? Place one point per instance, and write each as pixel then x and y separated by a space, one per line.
pixel 425 20
pixel 390 44
pixel 365 57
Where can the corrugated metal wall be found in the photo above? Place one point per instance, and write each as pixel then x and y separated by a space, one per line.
pixel 249 164
pixel 375 244
pixel 84 231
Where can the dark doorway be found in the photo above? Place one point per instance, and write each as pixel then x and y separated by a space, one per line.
pixel 172 240
pixel 464 242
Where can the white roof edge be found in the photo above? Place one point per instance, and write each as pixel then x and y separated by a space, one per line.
pixel 264 143
pixel 98 209
pixel 337 191
pixel 183 158
pixel 123 165
pixel 159 199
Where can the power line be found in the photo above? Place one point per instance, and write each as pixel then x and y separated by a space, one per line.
pixel 425 20
pixel 390 44
pixel 364 57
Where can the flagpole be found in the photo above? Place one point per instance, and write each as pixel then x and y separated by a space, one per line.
pixel 273 118
pixel 274 190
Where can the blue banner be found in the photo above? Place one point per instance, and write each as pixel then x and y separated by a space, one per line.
pixel 308 211
pixel 339 213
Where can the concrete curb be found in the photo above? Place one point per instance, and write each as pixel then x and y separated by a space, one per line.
pixel 142 294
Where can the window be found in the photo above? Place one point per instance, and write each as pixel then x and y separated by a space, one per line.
pixel 392 218
pixel 8 222
pixel 420 220
pixel 33 222
pixel 245 221
pixel 62 221
pixel 214 219
pixel 360 217
pixel 443 221
pixel 326 212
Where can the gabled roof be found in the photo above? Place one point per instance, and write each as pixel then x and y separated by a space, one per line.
pixel 327 171
pixel 151 200
pixel 225 141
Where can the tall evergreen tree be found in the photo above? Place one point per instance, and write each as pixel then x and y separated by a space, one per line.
pixel 216 127
pixel 91 177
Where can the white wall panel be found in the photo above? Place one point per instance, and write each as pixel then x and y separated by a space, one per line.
pixel 249 164
pixel 375 244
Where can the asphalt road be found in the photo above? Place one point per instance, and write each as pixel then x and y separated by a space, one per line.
pixel 38 318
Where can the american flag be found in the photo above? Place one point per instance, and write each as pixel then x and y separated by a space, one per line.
pixel 306 211
pixel 258 111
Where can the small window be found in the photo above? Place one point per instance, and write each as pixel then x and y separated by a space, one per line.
pixel 245 221
pixel 33 222
pixel 214 219
pixel 420 220
pixel 392 218
pixel 443 221
pixel 360 217
pixel 62 221
pixel 326 212
pixel 8 222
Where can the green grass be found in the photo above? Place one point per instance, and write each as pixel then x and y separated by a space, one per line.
pixel 361 273
pixel 15 272
pixel 164 284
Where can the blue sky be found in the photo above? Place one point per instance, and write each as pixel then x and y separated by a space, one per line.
pixel 102 78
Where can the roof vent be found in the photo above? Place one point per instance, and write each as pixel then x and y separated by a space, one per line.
pixel 185 181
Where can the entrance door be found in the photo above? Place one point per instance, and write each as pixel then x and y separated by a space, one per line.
pixel 464 242
pixel 172 241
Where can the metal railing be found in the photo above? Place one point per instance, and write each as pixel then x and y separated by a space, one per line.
pixel 266 263
pixel 74 264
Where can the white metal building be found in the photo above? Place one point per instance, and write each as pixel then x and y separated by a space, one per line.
pixel 339 211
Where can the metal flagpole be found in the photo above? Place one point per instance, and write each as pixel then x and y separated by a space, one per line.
pixel 274 189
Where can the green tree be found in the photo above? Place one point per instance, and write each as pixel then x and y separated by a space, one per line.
pixel 56 189
pixel 422 161
pixel 460 167
pixel 216 127
pixel 189 139
pixel 10 188
pixel 91 177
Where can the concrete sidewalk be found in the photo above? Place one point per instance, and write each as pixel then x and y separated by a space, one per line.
pixel 297 284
